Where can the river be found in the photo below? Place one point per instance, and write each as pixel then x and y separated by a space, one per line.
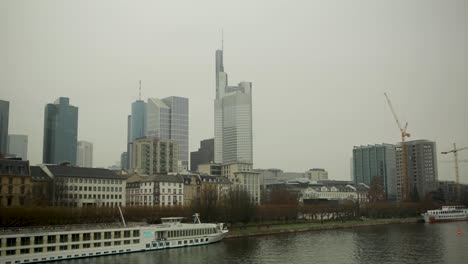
pixel 398 243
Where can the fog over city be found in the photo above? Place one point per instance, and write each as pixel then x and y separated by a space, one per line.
pixel 319 70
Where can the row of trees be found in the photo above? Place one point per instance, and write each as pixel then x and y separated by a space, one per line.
pixel 235 208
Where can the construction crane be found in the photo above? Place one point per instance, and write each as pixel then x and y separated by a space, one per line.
pixel 455 159
pixel 404 135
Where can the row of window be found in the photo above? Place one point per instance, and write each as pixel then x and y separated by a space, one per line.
pixel 91 196
pixel 93 188
pixel 66 247
pixel 103 181
pixel 52 239
pixel 191 232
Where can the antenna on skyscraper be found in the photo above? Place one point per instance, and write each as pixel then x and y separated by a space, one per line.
pixel 140 92
pixel 222 40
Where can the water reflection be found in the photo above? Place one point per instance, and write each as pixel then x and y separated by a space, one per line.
pixel 407 243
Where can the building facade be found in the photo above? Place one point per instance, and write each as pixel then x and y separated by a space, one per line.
pixel 421 169
pixel 233 118
pixel 155 190
pixel 136 127
pixel 80 187
pixel 213 169
pixel 18 146
pixel 376 160
pixel 316 174
pixel 84 156
pixel 155 156
pixel 241 175
pixel 15 183
pixel 204 155
pixel 60 132
pixel 124 161
pixel 4 118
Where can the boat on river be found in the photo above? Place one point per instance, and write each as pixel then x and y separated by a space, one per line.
pixel 446 214
pixel 42 244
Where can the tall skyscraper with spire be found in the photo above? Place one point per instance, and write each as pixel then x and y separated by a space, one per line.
pixel 233 118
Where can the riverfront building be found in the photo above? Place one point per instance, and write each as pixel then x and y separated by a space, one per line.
pixel 15 183
pixel 18 146
pixel 155 190
pixel 421 167
pixel 241 175
pixel 376 161
pixel 4 116
pixel 60 132
pixel 85 154
pixel 233 118
pixel 77 187
pixel 204 155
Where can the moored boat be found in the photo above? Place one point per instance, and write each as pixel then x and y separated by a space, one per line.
pixel 31 245
pixel 446 214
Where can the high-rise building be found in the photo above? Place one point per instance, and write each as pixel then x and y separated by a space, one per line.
pixel 233 118
pixel 124 161
pixel 136 127
pixel 18 146
pixel 60 132
pixel 155 156
pixel 179 125
pixel 421 169
pixel 167 118
pixel 376 161
pixel 4 116
pixel 204 155
pixel 84 156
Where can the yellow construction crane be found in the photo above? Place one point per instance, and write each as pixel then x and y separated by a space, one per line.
pixel 404 134
pixel 455 157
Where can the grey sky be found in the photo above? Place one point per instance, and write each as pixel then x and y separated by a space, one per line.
pixel 319 70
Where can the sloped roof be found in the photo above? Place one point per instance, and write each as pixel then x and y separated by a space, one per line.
pixel 71 171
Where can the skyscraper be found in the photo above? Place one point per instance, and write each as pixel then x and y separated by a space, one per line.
pixel 167 118
pixel 60 132
pixel 4 116
pixel 233 118
pixel 421 167
pixel 376 161
pixel 136 127
pixel 85 154
pixel 18 146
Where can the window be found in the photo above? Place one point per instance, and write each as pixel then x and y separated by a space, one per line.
pixel 87 245
pixel 63 247
pixel 75 246
pixel 107 235
pixel 97 244
pixel 75 237
pixel 37 250
pixel 38 240
pixel 50 249
pixel 126 242
pixel 10 252
pixel 127 233
pixel 86 236
pixel 11 241
pixel 117 234
pixel 24 251
pixel 107 244
pixel 25 241
pixel 136 233
pixel 63 238
pixel 97 236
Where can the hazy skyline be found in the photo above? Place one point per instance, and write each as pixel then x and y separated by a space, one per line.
pixel 318 71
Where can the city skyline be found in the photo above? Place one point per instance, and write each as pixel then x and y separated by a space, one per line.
pixel 319 71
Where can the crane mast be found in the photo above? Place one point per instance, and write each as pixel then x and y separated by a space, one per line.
pixel 457 174
pixel 404 134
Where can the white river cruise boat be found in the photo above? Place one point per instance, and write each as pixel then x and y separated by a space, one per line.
pixel 446 214
pixel 31 245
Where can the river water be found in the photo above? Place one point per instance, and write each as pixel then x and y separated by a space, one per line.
pixel 403 243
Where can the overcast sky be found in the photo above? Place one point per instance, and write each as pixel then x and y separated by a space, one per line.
pixel 319 70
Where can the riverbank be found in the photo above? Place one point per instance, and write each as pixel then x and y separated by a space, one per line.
pixel 265 229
